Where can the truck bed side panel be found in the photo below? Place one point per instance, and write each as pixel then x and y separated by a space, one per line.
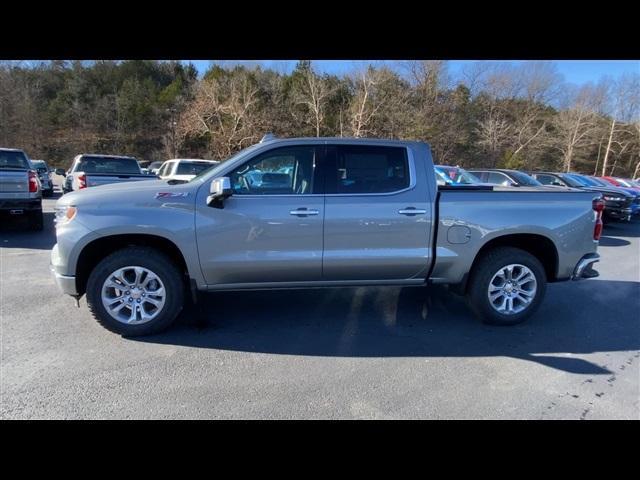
pixel 468 220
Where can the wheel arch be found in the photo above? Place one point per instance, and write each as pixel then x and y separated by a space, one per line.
pixel 540 246
pixel 98 249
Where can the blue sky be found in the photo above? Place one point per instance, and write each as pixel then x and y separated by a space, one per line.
pixel 574 71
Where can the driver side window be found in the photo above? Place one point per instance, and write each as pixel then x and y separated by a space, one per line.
pixel 282 171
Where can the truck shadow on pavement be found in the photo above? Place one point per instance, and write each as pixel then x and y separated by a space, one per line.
pixel 613 242
pixel 623 229
pixel 15 233
pixel 576 318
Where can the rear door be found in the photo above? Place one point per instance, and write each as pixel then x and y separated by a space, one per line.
pixel 377 215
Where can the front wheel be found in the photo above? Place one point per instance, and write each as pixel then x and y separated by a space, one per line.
pixel 135 291
pixel 506 286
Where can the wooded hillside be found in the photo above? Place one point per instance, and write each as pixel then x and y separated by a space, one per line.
pixel 491 114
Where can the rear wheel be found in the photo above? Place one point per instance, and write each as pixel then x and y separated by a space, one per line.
pixel 506 286
pixel 135 291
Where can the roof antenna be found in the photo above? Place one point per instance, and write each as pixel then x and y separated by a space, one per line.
pixel 268 137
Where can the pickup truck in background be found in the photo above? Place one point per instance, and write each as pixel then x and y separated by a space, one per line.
pixel 20 189
pixel 94 170
pixel 352 212
pixel 44 175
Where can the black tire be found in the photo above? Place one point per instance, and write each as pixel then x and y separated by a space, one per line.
pixel 36 220
pixel 148 258
pixel 484 270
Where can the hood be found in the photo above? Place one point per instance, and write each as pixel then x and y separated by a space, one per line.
pixel 609 191
pixel 128 192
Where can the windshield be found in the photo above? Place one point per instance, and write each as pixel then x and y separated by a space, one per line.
pixel 40 166
pixel 456 176
pixel 572 182
pixel 193 168
pixel 524 179
pixel 623 182
pixel 114 165
pixel 585 180
pixel 599 183
pixel 11 159
pixel 214 168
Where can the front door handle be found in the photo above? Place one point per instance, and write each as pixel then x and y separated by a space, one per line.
pixel 303 212
pixel 411 211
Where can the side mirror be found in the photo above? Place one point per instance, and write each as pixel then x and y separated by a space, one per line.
pixel 220 189
pixel 60 171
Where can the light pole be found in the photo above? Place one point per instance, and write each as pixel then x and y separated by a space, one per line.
pixel 173 132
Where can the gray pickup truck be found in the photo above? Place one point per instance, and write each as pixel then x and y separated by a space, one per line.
pixel 90 170
pixel 20 188
pixel 353 212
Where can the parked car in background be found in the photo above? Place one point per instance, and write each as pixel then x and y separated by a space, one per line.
pixel 505 177
pixel 621 182
pixel 179 170
pixel 44 174
pixel 448 175
pixel 354 212
pixel 153 167
pixel 617 202
pixel 597 181
pixel 92 170
pixel 20 188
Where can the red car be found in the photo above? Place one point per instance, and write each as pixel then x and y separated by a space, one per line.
pixel 621 182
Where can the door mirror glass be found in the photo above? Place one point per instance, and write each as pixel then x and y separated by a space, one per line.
pixel 60 171
pixel 219 190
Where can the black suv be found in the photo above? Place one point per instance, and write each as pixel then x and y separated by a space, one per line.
pixel 617 203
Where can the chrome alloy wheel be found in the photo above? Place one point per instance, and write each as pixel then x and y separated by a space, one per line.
pixel 133 295
pixel 512 289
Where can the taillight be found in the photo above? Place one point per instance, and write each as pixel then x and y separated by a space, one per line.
pixel 33 181
pixel 82 181
pixel 598 207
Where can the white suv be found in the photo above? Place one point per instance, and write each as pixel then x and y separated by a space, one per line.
pixel 184 169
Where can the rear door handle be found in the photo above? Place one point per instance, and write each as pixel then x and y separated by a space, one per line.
pixel 411 211
pixel 303 212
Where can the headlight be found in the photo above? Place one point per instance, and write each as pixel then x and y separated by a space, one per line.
pixel 65 214
pixel 613 199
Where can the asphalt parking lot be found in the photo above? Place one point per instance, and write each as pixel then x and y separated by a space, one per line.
pixel 365 353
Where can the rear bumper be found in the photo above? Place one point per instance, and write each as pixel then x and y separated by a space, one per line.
pixel 583 268
pixel 21 204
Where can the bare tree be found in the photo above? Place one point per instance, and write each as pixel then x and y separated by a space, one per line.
pixel 365 103
pixel 222 110
pixel 313 93
pixel 493 133
pixel 576 124
pixel 622 108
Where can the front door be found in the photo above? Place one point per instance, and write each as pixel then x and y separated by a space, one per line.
pixel 270 229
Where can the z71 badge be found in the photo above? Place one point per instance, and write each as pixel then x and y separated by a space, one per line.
pixel 172 194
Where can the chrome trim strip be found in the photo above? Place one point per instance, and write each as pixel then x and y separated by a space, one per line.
pixel 412 185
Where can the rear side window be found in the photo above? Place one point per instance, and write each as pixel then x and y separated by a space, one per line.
pixel 193 168
pixel 497 178
pixel 10 159
pixel 524 179
pixel 95 164
pixel 360 169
